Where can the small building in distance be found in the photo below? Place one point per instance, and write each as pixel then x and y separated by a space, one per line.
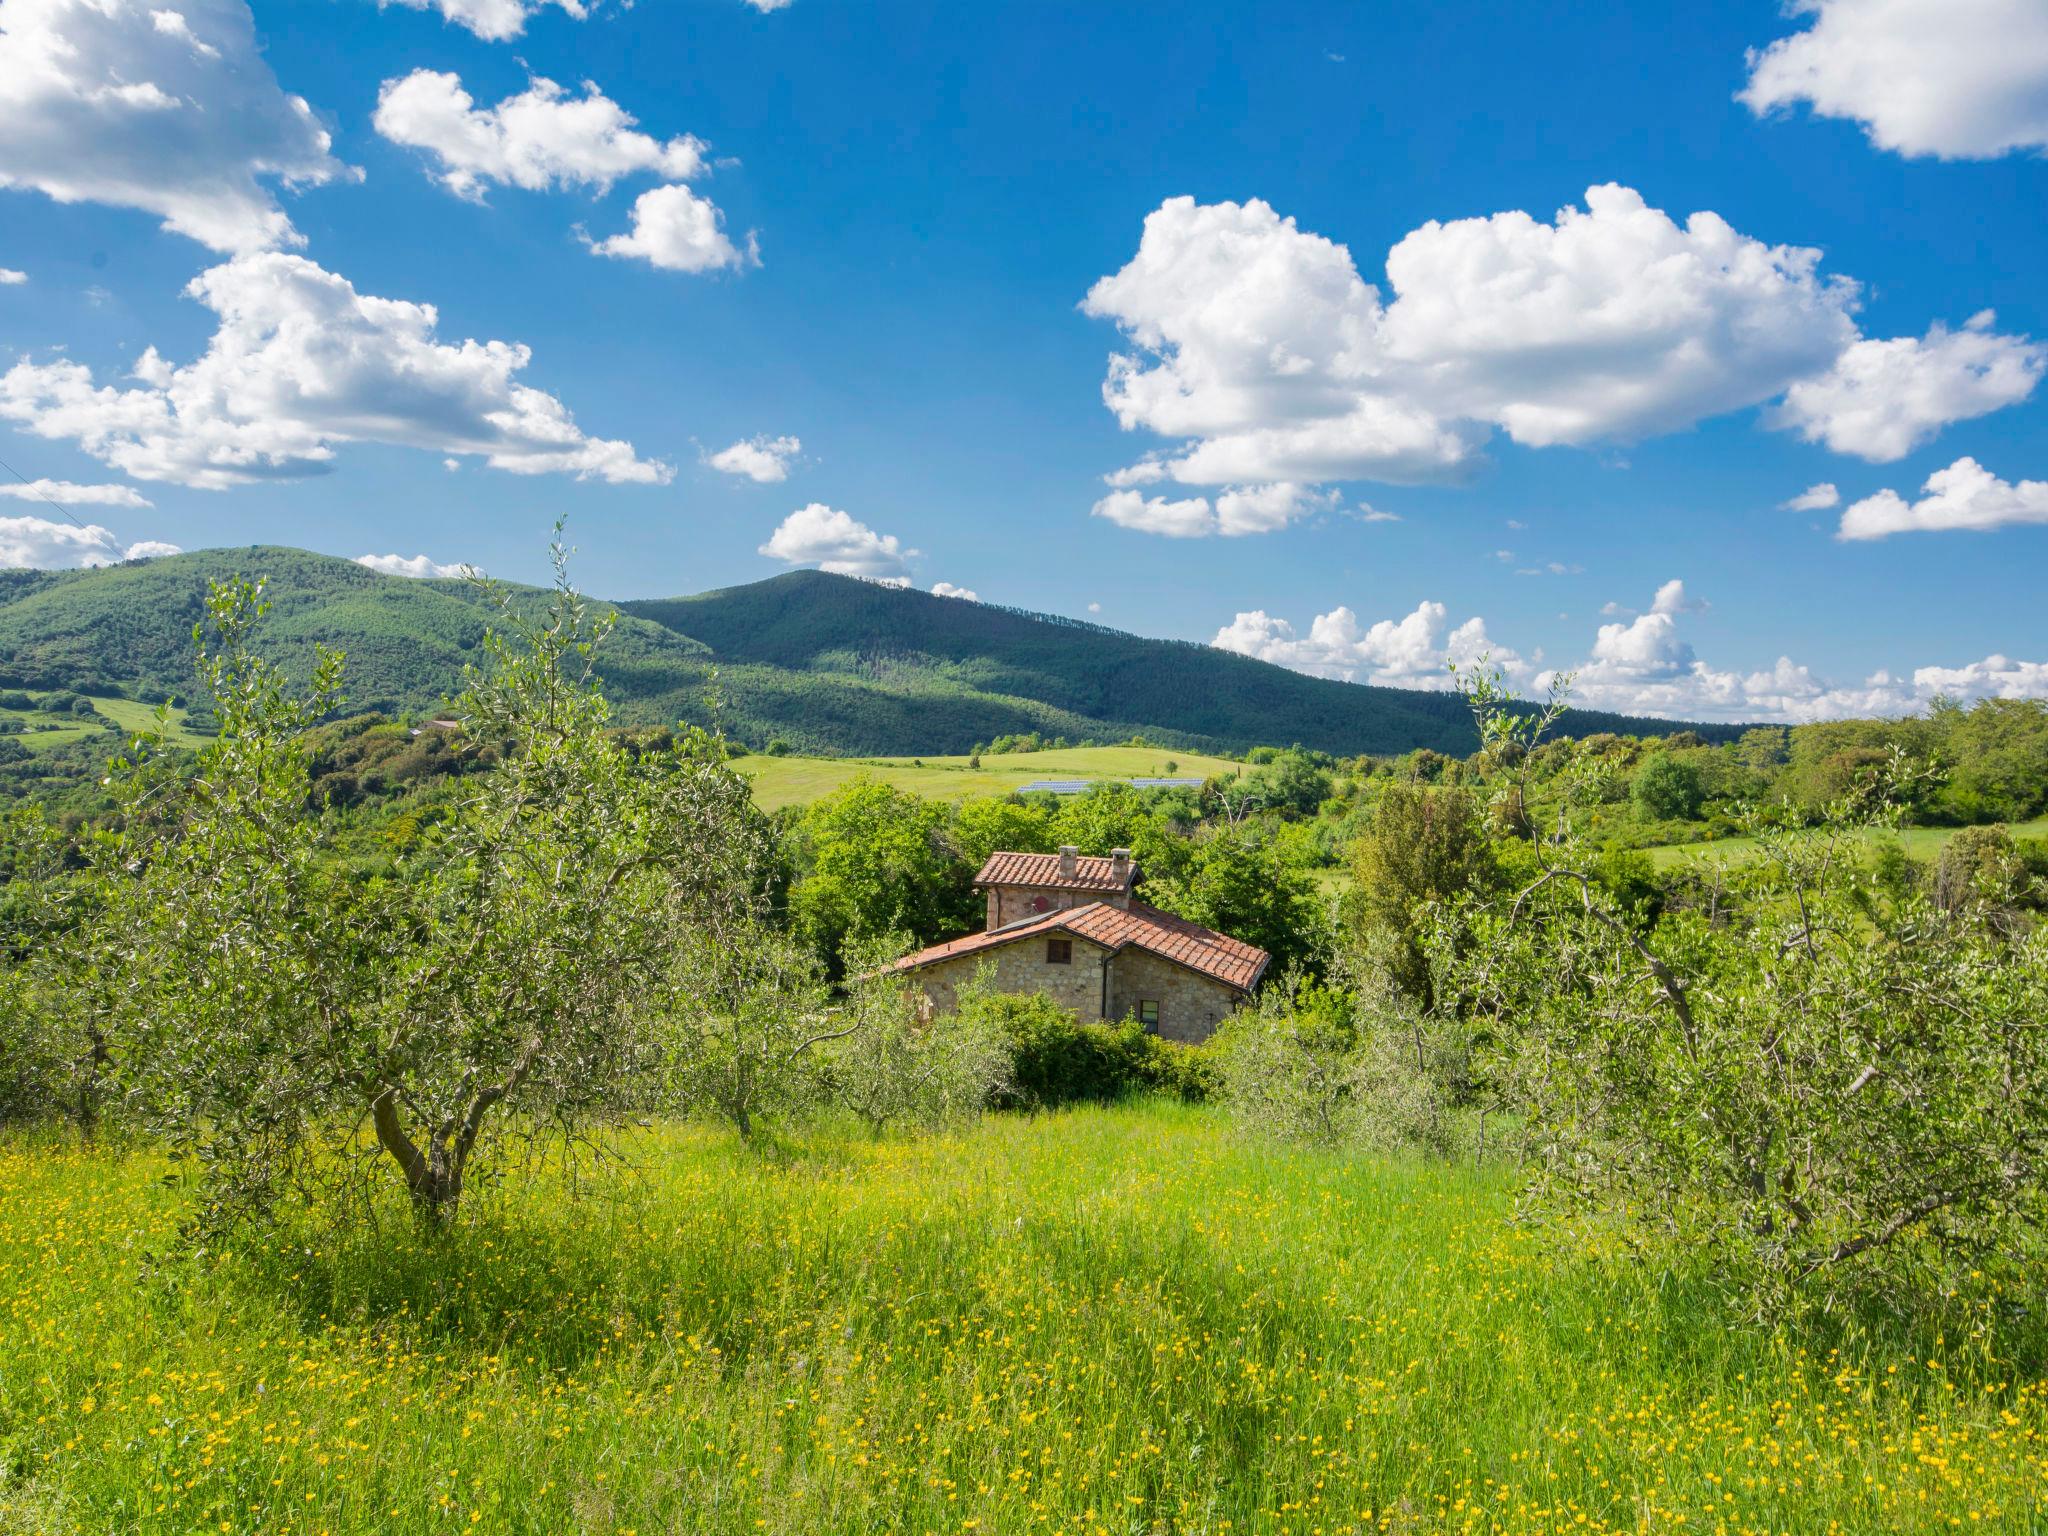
pixel 1069 927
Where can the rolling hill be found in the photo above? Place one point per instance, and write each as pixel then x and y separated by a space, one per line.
pixel 828 664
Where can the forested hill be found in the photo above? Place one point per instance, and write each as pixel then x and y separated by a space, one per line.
pixel 814 622
pixel 825 663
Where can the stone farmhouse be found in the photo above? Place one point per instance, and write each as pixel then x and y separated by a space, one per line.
pixel 1068 926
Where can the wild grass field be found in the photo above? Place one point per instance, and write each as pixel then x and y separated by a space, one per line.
pixel 780 781
pixel 1923 844
pixel 1122 1319
pixel 40 732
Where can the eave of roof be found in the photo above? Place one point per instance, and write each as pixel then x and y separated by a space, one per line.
pixel 1216 956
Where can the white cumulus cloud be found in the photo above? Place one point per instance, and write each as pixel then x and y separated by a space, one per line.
pixel 1965 495
pixel 1410 652
pixel 834 541
pixel 1883 399
pixel 762 459
pixel 36 543
pixel 1960 79
pixel 1642 665
pixel 68 493
pixel 541 139
pixel 1815 498
pixel 11 276
pixel 1240 510
pixel 495 21
pixel 947 589
pixel 678 231
pixel 1260 348
pixel 299 364
pixel 163 105
pixel 420 567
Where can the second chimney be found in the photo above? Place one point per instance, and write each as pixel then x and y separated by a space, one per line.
pixel 1068 855
pixel 1120 865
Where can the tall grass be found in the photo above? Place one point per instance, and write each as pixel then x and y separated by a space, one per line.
pixel 1111 1320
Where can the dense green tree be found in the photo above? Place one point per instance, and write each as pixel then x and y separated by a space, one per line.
pixel 990 823
pixel 871 859
pixel 1256 884
pixel 1425 847
pixel 1666 788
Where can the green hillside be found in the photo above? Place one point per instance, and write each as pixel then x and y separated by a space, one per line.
pixel 1193 695
pixel 827 664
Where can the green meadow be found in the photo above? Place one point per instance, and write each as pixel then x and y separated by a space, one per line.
pixel 1123 1319
pixel 780 781
pixel 41 732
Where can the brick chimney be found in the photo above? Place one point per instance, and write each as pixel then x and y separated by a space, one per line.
pixel 1120 865
pixel 1068 854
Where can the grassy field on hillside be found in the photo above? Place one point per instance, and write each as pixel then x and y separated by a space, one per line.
pixel 1116 1320
pixel 780 781
pixel 1923 843
pixel 41 732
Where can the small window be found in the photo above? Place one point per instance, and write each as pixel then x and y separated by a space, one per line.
pixel 1148 1014
pixel 1059 951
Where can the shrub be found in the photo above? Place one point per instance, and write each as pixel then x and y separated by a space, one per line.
pixel 1826 1080
pixel 14 698
pixel 1056 1059
pixel 83 706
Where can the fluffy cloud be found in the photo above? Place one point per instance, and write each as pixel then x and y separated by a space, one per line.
pixel 947 589
pixel 495 21
pixel 300 363
pixel 833 541
pixel 1259 346
pixel 1883 399
pixel 1240 510
pixel 1961 79
pixel 162 105
pixel 769 7
pixel 1410 652
pixel 37 544
pixel 678 231
pixel 67 493
pixel 10 276
pixel 1643 666
pixel 420 567
pixel 763 459
pixel 541 139
pixel 1815 498
pixel 1965 495
pixel 1189 518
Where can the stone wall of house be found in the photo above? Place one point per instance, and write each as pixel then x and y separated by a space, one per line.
pixel 1022 967
pixel 1191 1005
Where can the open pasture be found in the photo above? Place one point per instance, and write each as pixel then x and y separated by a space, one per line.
pixel 1112 1320
pixel 780 781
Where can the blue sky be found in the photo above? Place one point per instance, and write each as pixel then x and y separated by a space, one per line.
pixel 1534 426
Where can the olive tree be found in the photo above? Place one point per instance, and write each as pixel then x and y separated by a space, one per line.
pixel 742 1011
pixel 35 1061
pixel 293 1021
pixel 903 1065
pixel 1828 1075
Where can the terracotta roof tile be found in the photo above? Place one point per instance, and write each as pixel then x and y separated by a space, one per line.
pixel 1090 873
pixel 1203 950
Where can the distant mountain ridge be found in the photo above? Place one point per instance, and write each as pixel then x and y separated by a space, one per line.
pixel 829 664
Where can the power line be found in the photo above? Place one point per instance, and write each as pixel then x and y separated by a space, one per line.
pixel 39 496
